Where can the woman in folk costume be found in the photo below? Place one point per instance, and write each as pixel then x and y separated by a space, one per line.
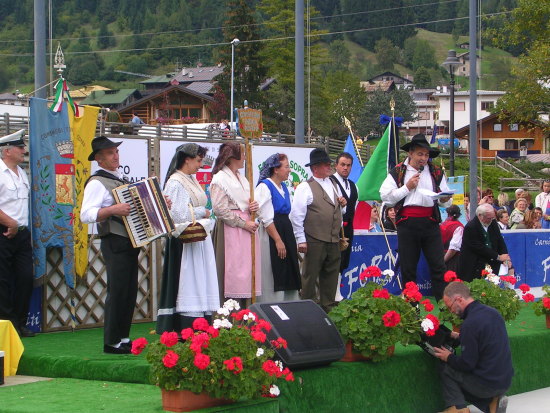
pixel 451 235
pixel 280 270
pixel 230 193
pixel 542 201
pixel 189 279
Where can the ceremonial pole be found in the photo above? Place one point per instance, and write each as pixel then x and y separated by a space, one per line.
pixel 348 124
pixel 251 126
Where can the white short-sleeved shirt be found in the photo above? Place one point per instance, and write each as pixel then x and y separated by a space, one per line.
pixel 14 194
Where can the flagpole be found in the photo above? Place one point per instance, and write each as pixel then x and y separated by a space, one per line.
pixel 396 146
pixel 348 124
pixel 249 176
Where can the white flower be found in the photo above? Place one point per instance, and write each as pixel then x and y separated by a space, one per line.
pixel 495 279
pixel 388 273
pixel 279 364
pixel 223 311
pixel 489 269
pixel 226 323
pixel 274 390
pixel 249 316
pixel 217 323
pixel 260 352
pixel 427 324
pixel 231 305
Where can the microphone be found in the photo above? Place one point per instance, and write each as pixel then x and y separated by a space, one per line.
pixel 420 169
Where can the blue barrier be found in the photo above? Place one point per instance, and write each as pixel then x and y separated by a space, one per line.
pixel 529 251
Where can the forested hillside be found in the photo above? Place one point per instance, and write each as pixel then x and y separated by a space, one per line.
pixel 351 40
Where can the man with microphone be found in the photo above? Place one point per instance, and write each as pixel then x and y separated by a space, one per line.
pixel 417 213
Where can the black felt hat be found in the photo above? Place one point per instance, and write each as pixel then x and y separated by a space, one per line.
pixel 318 155
pixel 420 140
pixel 99 143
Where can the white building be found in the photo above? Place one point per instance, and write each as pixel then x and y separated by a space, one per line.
pixel 14 105
pixel 426 113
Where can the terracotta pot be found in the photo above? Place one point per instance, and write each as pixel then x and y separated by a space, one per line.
pixel 547 320
pixel 351 355
pixel 187 401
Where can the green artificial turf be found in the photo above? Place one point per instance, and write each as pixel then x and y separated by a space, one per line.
pixel 408 382
pixel 88 396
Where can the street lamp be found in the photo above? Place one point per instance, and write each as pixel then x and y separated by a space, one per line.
pixel 450 65
pixel 234 43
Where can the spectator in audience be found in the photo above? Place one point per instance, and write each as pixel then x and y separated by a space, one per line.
pixel 518 214
pixel 389 219
pixel 451 235
pixel 537 213
pixel 374 220
pixel 503 219
pixel 504 202
pixel 543 201
pixel 467 205
pixel 527 196
pixel 517 193
pixel 530 221
pixel 489 198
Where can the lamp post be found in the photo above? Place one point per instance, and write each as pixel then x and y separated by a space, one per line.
pixel 451 64
pixel 234 42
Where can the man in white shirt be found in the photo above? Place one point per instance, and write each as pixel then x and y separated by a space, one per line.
pixel 417 214
pixel 316 218
pixel 16 272
pixel 121 258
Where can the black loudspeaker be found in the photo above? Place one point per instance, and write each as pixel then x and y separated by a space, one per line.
pixel 312 338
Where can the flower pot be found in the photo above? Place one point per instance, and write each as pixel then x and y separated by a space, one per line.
pixel 547 320
pixel 351 355
pixel 187 401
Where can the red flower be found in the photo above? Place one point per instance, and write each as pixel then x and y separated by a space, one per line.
pixel 450 276
pixel 279 343
pixel 200 324
pixel 509 279
pixel 528 297
pixel 170 359
pixel 214 332
pixel 289 377
pixel 138 345
pixel 258 336
pixel 484 273
pixel 369 272
pixel 434 320
pixel 263 325
pixel 201 361
pixel 546 302
pixel 271 368
pixel 234 364
pixel 383 293
pixel 169 338
pixel 199 341
pixel 240 315
pixel 391 319
pixel 411 292
pixel 186 333
pixel 524 288
pixel 428 306
pixel 430 332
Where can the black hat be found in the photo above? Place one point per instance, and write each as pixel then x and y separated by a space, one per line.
pixel 420 140
pixel 318 155
pixel 99 143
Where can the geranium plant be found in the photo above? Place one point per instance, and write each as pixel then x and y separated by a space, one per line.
pixel 230 359
pixel 542 306
pixel 492 290
pixel 375 320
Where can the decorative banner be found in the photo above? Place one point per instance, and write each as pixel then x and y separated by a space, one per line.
pixel 82 133
pixel 52 194
pixel 250 123
pixel 456 183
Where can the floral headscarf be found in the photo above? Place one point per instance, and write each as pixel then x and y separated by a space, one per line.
pixel 267 168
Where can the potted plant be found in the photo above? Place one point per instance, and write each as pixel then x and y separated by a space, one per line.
pixel 229 360
pixel 492 290
pixel 543 305
pixel 372 321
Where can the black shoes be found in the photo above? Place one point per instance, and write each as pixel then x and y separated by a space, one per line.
pixel 25 332
pixel 122 349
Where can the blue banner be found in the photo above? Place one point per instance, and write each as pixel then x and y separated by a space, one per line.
pixel 52 195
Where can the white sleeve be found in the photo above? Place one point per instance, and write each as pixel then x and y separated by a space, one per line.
pixel 302 198
pixel 456 240
pixel 180 202
pixel 94 199
pixel 262 195
pixel 445 188
pixel 390 193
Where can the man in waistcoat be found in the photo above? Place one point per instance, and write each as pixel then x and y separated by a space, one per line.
pixel 121 258
pixel 347 188
pixel 16 275
pixel 316 218
pixel 417 214
pixel 482 244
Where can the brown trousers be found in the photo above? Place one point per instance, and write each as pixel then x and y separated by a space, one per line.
pixel 322 265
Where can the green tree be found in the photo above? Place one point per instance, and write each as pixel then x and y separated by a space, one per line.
pixel 387 54
pixel 423 55
pixel 103 36
pixel 378 103
pixel 422 78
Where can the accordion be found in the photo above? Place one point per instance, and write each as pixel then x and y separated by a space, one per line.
pixel 149 218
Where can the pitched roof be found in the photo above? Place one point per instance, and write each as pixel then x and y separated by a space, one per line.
pixel 109 97
pixel 201 87
pixel 383 85
pixel 85 91
pixel 188 75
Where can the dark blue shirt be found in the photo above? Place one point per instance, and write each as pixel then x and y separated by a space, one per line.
pixel 485 347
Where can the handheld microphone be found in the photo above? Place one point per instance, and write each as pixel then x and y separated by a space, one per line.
pixel 420 169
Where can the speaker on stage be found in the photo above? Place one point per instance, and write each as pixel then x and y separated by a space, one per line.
pixel 312 338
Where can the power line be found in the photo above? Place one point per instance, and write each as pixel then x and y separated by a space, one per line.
pixel 261 40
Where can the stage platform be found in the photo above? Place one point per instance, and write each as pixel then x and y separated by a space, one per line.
pixel 408 382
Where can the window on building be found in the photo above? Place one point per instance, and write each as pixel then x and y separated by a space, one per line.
pixel 423 115
pixel 460 106
pixel 528 143
pixel 497 127
pixel 486 106
pixel 485 143
pixel 514 127
pixel 511 144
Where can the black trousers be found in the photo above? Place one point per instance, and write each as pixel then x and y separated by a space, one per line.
pixel 421 234
pixel 121 260
pixel 460 388
pixel 16 276
pixel 345 255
